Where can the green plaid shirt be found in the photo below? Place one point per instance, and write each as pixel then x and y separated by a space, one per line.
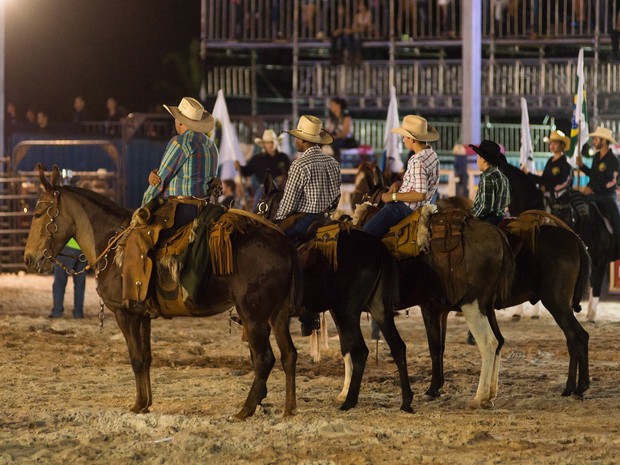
pixel 493 194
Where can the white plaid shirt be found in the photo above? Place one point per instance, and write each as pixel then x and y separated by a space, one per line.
pixel 313 184
pixel 422 176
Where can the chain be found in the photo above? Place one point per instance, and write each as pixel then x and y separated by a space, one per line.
pixel 101 316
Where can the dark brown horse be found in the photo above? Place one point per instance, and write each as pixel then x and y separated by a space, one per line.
pixel 366 280
pixel 555 272
pixel 262 286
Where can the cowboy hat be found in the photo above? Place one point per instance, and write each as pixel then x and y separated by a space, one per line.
pixel 560 137
pixel 192 114
pixel 488 150
pixel 417 128
pixel 268 136
pixel 309 129
pixel 603 133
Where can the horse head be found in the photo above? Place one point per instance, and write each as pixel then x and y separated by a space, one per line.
pixel 270 202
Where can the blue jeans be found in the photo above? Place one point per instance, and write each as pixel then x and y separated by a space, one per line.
pixel 69 258
pixel 387 217
pixel 302 225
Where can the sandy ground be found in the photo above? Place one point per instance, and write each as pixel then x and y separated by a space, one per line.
pixel 67 389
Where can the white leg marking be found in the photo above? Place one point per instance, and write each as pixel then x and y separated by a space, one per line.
pixel 592 307
pixel 324 342
pixel 315 352
pixel 487 344
pixel 348 372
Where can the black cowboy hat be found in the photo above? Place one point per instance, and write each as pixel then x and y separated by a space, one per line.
pixel 488 150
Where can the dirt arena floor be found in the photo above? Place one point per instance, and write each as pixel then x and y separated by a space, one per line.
pixel 67 389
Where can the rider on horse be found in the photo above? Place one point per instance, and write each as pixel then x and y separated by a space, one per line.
pixel 420 181
pixel 313 184
pixel 604 178
pixel 557 175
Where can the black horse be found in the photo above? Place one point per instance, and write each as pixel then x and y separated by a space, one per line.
pixel 555 271
pixel 365 280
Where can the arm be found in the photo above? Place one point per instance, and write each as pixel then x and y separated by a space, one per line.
pixel 482 204
pixel 173 158
pixel 292 192
pixel 346 128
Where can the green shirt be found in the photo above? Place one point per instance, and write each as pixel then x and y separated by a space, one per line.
pixel 493 194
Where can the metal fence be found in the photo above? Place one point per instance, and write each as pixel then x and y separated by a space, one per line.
pixel 414 20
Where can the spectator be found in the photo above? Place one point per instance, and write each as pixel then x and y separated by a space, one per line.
pixel 114 112
pixel 11 123
pixel 341 27
pixel 70 258
pixel 269 158
pixel 80 113
pixel 229 188
pixel 43 121
pixel 30 123
pixel 362 27
pixel 340 126
pixel 445 14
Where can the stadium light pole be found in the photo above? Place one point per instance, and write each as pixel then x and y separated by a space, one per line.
pixel 2 113
pixel 471 26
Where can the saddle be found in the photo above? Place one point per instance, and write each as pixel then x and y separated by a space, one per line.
pixel 410 236
pixel 325 241
pixel 527 225
pixel 448 251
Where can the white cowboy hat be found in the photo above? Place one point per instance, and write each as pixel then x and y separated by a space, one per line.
pixel 309 129
pixel 268 136
pixel 603 133
pixel 192 114
pixel 561 137
pixel 417 128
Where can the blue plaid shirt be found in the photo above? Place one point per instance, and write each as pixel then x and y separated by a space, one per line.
pixel 188 165
pixel 493 194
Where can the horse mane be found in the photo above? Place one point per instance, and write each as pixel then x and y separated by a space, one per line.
pixel 107 205
pixel 524 194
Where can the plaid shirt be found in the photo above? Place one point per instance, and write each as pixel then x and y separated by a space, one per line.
pixel 422 176
pixel 313 184
pixel 493 194
pixel 188 165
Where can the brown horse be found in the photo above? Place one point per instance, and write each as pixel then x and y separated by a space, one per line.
pixel 262 287
pixel 365 280
pixel 556 272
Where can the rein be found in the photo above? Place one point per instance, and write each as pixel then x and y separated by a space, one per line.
pixel 51 228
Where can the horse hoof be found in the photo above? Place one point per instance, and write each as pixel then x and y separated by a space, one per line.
pixel 432 395
pixel 347 406
pixel 473 405
pixel 407 408
pixel 577 396
pixel 487 404
pixel 567 392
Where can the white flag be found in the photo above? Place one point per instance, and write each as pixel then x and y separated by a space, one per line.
pixel 579 123
pixel 285 139
pixel 392 143
pixel 229 145
pixel 527 152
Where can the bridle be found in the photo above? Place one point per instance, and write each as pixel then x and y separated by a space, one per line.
pixel 51 228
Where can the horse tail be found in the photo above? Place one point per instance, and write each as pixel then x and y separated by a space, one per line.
pixel 583 279
pixel 507 272
pixel 389 272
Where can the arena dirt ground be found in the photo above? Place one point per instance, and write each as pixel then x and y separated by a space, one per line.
pixel 67 389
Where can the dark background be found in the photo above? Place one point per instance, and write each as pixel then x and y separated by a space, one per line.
pixel 57 49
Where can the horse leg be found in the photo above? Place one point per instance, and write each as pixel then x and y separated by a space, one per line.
pixel 497 360
pixel 354 351
pixel 487 344
pixel 263 361
pixel 435 322
pixel 598 274
pixel 137 331
pixel 288 357
pixel 385 320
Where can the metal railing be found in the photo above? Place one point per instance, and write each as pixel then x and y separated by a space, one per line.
pixel 414 20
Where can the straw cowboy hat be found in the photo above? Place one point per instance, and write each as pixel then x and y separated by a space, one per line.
pixel 560 137
pixel 268 136
pixel 417 128
pixel 603 133
pixel 309 129
pixel 192 114
pixel 488 150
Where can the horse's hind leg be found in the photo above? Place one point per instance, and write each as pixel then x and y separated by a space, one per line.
pixel 385 320
pixel 352 345
pixel 487 344
pixel 288 357
pixel 435 322
pixel 497 359
pixel 137 332
pixel 263 361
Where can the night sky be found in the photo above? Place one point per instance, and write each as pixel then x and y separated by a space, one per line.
pixel 57 49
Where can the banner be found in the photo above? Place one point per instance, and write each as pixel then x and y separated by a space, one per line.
pixel 579 122
pixel 229 141
pixel 526 152
pixel 392 143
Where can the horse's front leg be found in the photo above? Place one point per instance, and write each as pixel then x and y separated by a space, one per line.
pixel 137 332
pixel 435 322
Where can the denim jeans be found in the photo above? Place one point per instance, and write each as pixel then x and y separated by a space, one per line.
pixel 387 217
pixel 69 258
pixel 302 225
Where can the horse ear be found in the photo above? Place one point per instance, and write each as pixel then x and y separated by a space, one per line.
pixel 55 176
pixel 44 181
pixel 268 183
pixel 378 177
